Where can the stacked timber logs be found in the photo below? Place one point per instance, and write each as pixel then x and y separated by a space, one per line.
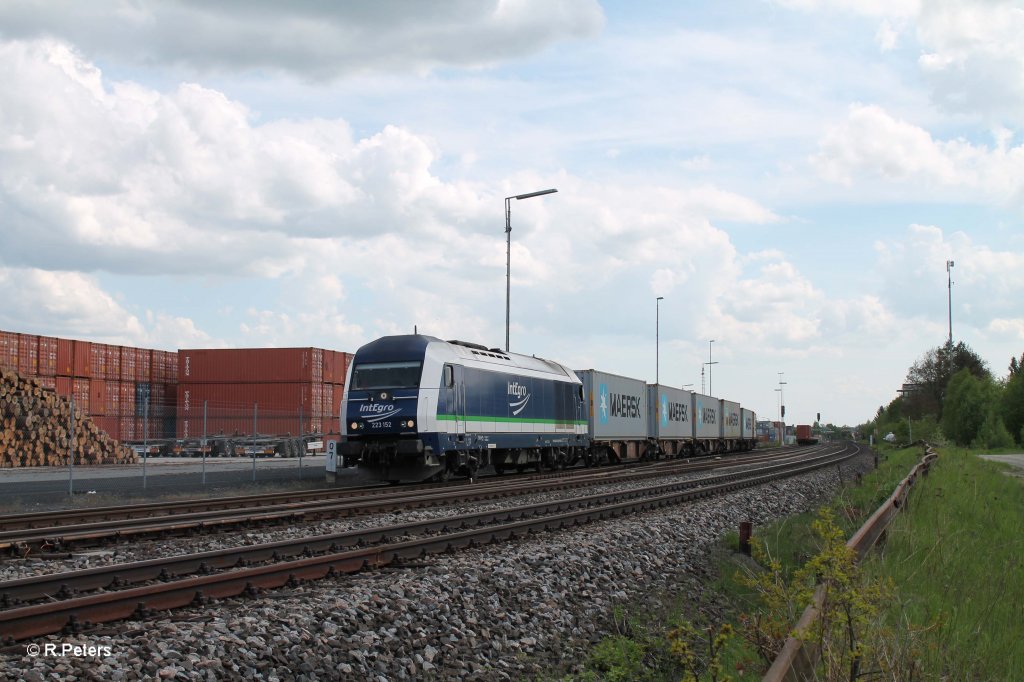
pixel 35 424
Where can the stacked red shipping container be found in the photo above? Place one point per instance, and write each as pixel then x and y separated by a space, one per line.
pixel 137 393
pixel 109 383
pixel 283 390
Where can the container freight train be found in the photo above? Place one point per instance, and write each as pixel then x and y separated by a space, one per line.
pixel 416 408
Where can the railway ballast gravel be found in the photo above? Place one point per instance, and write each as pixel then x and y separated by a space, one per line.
pixel 506 611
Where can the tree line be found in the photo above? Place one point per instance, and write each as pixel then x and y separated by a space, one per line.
pixel 951 392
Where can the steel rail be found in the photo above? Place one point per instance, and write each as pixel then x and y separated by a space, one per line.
pixel 76 613
pixel 23 541
pixel 119 575
pixel 9 522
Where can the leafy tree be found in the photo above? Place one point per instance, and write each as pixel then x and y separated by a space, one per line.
pixel 969 400
pixel 933 372
pixel 1016 366
pixel 993 434
pixel 1012 403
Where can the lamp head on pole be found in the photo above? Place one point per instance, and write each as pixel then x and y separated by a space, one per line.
pixel 533 194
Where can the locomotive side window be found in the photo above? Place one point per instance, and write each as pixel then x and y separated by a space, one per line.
pixel 373 375
pixel 449 376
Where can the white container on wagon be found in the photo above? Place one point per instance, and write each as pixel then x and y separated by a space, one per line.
pixel 671 415
pixel 731 430
pixel 617 406
pixel 707 416
pixel 748 426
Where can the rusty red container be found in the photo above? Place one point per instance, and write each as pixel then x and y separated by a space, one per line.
pixel 28 355
pixel 47 382
pixel 47 356
pixel 143 364
pixel 127 392
pixel 80 388
pixel 9 351
pixel 82 358
pixel 129 364
pixel 98 360
pixel 113 399
pixel 113 363
pixel 65 357
pixel 98 396
pixel 251 365
pixel 64 386
pixel 111 425
pixel 127 426
pixel 329 364
pixel 230 407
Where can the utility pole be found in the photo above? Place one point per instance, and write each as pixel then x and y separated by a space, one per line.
pixel 657 348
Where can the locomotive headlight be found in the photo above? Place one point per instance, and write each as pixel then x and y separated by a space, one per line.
pixel 410 423
pixel 354 425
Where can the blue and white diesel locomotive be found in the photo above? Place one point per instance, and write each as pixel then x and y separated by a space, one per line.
pixel 417 408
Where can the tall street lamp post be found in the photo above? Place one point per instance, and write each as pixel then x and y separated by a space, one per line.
pixel 657 348
pixel 781 409
pixel 508 251
pixel 949 278
pixel 709 363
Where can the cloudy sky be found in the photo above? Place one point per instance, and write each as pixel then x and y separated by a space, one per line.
pixel 790 175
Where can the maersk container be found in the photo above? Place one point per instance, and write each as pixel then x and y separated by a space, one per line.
pixel 707 414
pixel 731 420
pixel 670 415
pixel 618 405
pixel 748 424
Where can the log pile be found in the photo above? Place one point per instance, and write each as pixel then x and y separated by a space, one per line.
pixel 35 424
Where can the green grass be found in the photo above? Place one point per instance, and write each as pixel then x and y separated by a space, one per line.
pixel 957 558
pixel 955 555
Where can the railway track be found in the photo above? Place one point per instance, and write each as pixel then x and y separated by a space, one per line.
pixel 22 535
pixel 65 517
pixel 331 555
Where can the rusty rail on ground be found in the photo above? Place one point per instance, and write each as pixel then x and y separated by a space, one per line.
pixel 797 659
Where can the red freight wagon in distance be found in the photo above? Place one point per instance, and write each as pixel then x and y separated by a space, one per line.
pixel 804 436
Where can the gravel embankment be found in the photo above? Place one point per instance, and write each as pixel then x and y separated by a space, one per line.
pixel 507 611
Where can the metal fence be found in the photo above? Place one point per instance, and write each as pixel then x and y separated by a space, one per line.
pixel 798 658
pixel 47 447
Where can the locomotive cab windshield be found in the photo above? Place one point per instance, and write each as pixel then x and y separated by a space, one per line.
pixel 374 375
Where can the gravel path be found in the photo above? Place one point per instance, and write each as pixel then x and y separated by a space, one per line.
pixel 508 611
